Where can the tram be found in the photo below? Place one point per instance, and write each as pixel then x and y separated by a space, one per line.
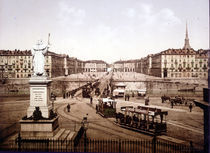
pixel 143 119
pixel 106 107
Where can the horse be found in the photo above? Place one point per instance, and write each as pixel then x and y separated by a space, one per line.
pixel 164 98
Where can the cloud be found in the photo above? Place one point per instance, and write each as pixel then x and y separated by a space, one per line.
pixel 146 8
pixel 146 16
pixel 167 15
pixel 70 15
pixel 130 12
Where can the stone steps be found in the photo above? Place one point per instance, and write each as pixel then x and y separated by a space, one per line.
pixel 71 135
pixel 60 132
pixel 64 135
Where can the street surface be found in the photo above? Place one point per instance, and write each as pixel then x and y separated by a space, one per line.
pixel 182 124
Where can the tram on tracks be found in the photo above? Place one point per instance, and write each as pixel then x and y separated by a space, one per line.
pixel 106 107
pixel 143 119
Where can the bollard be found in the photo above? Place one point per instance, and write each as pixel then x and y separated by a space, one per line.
pixel 154 144
pixel 18 140
pixel 119 146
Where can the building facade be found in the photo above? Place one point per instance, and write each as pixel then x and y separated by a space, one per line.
pixel 18 64
pixel 72 65
pixel 15 64
pixel 125 66
pixel 176 63
pixel 95 66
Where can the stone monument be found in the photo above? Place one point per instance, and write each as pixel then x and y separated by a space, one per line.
pixel 40 121
pixel 39 82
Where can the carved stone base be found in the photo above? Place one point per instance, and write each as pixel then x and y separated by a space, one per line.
pixel 44 109
pixel 40 96
pixel 38 129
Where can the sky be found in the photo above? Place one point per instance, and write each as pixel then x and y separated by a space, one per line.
pixel 108 30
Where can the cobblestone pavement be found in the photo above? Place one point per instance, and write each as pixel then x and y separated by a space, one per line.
pixel 99 127
pixel 182 124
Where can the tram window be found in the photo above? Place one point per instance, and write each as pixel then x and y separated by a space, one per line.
pixel 158 120
pixel 150 118
pixel 145 117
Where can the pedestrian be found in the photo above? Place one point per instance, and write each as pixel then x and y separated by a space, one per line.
pixel 91 99
pixel 125 97
pixel 146 100
pixel 68 107
pixel 128 97
pixel 190 107
pixel 191 147
pixel 163 98
pixel 132 94
pixel 172 104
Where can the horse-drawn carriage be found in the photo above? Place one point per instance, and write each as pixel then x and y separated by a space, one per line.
pixel 165 98
pixel 177 100
pixel 86 92
pixel 143 119
pixel 97 92
pixel 106 107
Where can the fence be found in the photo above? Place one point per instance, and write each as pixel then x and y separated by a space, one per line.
pixel 92 145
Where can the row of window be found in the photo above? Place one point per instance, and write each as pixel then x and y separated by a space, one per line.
pixel 188 65
pixel 124 70
pixel 188 75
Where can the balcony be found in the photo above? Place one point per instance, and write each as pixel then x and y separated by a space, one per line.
pixel 204 68
pixel 188 68
pixel 172 68
pixel 180 69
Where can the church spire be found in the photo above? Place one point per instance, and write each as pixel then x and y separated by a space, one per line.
pixel 186 44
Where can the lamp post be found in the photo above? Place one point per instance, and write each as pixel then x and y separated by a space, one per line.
pixel 85 126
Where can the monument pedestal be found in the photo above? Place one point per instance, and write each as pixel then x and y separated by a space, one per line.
pixel 45 124
pixel 39 128
pixel 40 96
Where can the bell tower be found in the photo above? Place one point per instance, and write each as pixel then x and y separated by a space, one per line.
pixel 186 44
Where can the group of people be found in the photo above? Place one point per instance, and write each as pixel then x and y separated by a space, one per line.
pixel 127 97
pixel 146 98
pixel 190 105
pixel 68 94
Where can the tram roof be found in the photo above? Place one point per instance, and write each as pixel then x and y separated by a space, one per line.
pixel 106 100
pixel 146 111
pixel 120 84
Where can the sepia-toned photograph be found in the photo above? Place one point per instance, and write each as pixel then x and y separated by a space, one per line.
pixel 104 76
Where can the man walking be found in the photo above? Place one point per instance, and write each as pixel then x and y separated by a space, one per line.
pixel 91 99
pixel 172 104
pixel 190 107
pixel 68 107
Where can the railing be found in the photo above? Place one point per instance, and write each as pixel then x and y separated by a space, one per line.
pixel 92 145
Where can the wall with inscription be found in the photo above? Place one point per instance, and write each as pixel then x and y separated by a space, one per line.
pixel 38 96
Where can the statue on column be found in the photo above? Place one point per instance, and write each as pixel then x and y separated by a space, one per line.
pixel 38 52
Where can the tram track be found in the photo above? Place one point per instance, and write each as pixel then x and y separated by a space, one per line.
pixel 92 127
pixel 114 124
pixel 97 126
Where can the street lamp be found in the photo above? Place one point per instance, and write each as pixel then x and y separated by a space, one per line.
pixel 85 127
